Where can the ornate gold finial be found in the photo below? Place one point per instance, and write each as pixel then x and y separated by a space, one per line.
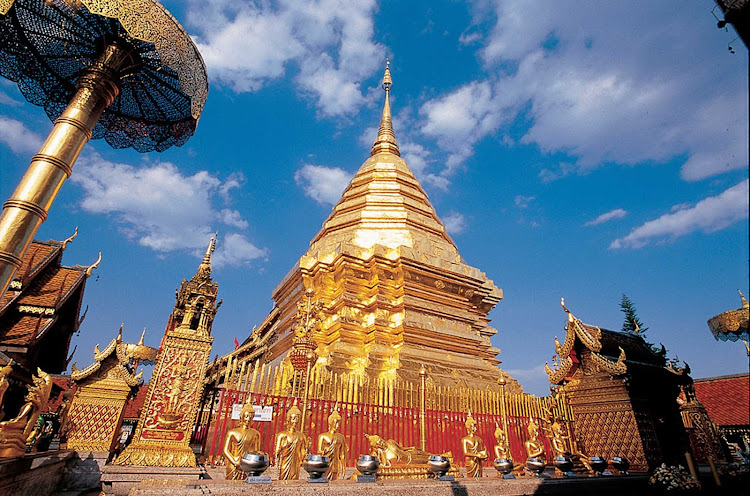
pixel 744 301
pixel 140 341
pixel 570 315
pixel 71 238
pixel 386 140
pixel 94 265
pixel 119 333
pixel 210 249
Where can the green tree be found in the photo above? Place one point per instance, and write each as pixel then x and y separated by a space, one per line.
pixel 632 323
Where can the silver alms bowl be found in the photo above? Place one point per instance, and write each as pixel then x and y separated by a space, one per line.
pixel 254 463
pixel 316 465
pixel 535 465
pixel 563 463
pixel 598 464
pixel 621 464
pixel 503 465
pixel 439 465
pixel 367 464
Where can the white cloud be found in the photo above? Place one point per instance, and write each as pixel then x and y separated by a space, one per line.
pixel 532 379
pixel 159 207
pixel 6 99
pixel 330 42
pixel 469 38
pixel 522 201
pixel 232 218
pixel 235 250
pixel 617 213
pixel 454 223
pixel 563 169
pixel 16 136
pixel 708 215
pixel 602 83
pixel 235 181
pixel 461 118
pixel 323 184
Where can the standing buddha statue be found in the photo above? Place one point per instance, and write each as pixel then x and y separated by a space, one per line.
pixel 291 446
pixel 239 441
pixel 473 447
pixel 332 444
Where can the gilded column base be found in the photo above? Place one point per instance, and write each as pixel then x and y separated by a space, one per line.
pixel 157 456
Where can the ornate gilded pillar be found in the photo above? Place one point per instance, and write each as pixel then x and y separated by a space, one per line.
pixel 162 437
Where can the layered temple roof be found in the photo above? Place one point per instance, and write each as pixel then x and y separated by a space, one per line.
pixel 395 292
pixel 39 311
pixel 612 351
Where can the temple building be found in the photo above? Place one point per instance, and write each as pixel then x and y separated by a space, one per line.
pixel 39 313
pixel 391 291
pixel 621 393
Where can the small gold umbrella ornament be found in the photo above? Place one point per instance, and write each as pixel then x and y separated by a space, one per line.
pixel 122 70
pixel 733 324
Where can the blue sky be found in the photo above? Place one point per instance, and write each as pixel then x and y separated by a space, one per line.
pixel 573 149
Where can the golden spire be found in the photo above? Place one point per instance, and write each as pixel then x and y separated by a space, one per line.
pixel 204 269
pixel 386 140
pixel 209 250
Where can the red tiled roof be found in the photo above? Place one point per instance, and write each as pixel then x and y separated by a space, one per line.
pixel 134 404
pixel 52 287
pixel 47 285
pixel 20 329
pixel 726 398
pixel 37 255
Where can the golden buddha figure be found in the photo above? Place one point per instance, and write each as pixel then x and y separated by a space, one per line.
pixel 239 441
pixel 332 444
pixel 502 447
pixel 473 447
pixel 557 437
pixel 291 446
pixel 534 447
pixel 16 432
pixel 390 453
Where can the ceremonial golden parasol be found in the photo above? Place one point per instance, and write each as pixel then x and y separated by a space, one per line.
pixel 122 70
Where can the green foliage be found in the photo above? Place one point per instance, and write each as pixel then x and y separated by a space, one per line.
pixel 632 323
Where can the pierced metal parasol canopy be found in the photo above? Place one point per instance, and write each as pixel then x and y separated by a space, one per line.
pixel 731 325
pixel 123 70
pixel 46 45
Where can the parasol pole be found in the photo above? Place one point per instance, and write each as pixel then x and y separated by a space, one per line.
pixel 27 208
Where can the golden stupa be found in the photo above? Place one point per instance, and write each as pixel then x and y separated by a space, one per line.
pixel 395 293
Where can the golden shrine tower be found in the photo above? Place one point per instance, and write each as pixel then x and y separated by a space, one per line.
pixel 394 293
pixel 163 434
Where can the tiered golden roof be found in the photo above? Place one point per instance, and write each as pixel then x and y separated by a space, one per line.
pixel 590 337
pixel 397 295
